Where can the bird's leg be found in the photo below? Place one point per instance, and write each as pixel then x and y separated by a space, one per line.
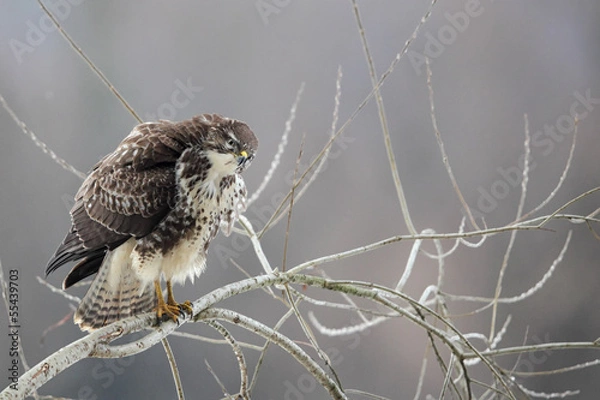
pixel 164 310
pixel 185 306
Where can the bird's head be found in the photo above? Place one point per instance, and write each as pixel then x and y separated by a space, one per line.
pixel 233 141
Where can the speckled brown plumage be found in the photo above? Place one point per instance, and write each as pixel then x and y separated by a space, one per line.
pixel 151 208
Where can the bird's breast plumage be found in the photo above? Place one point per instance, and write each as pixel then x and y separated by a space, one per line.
pixel 211 195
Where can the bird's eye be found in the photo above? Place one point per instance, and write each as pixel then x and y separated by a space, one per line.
pixel 231 143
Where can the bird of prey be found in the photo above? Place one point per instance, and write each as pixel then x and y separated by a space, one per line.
pixel 149 210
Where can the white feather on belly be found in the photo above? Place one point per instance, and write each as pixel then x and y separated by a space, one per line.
pixel 185 260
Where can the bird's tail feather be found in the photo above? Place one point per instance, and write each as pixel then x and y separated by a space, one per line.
pixel 116 293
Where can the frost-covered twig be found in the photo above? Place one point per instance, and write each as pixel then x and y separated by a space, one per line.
pixel 529 292
pixel 362 104
pixel 280 149
pixel 562 176
pixel 60 161
pixel 575 367
pixel 513 234
pixel 553 395
pixel 280 211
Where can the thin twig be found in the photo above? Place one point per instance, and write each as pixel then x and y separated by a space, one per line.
pixel 553 395
pixel 562 176
pixel 547 218
pixel 384 124
pixel 282 341
pixel 56 290
pixel 536 347
pixel 239 355
pixel 529 292
pixel 398 238
pixel 263 351
pixel 174 369
pixel 60 161
pixel 358 109
pixel 440 143
pixel 205 339
pixel 576 367
pixel 216 378
pixel 289 219
pixel 366 394
pixel 422 373
pixel 323 159
pixel 280 149
pixel 89 62
pixel 334 120
pixel 513 234
pixel 256 244
pixel 349 299
pixel 310 335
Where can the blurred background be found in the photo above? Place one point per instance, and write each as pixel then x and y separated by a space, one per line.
pixel 492 62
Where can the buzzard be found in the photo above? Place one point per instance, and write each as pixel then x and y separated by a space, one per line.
pixel 149 210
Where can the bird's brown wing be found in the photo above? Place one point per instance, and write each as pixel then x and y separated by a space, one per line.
pixel 126 195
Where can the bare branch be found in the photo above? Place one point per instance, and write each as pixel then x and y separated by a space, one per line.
pixel 282 341
pixel 513 235
pixel 576 367
pixel 263 351
pixel 358 109
pixel 278 215
pixel 280 149
pixel 531 291
pixel 60 161
pixel 174 369
pixel 216 377
pixel 256 243
pixel 440 143
pixel 56 290
pixel 384 124
pixel 291 207
pixel 205 339
pixel 239 355
pixel 562 176
pixel 89 62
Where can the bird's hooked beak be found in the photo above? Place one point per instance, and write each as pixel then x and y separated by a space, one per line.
pixel 242 157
